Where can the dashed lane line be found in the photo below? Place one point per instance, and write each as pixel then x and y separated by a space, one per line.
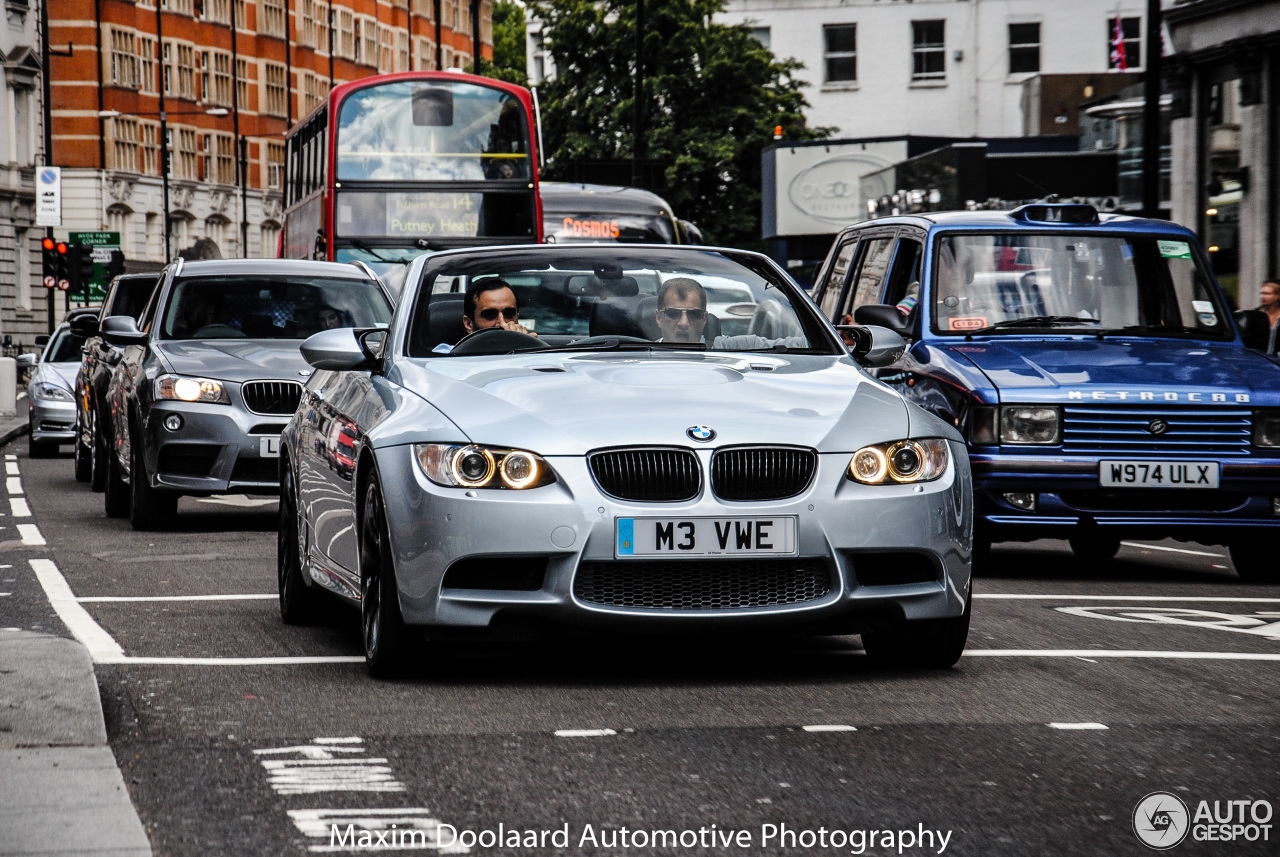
pixel 1078 727
pixel 30 535
pixel 830 727
pixel 116 599
pixel 584 733
pixel 18 507
pixel 13 485
pixel 11 468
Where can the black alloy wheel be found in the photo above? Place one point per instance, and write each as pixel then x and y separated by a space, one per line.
pixel 149 508
pixel 98 442
pixel 923 644
pixel 84 455
pixel 386 639
pixel 115 490
pixel 299 603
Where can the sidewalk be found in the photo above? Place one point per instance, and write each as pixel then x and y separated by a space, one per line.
pixel 61 792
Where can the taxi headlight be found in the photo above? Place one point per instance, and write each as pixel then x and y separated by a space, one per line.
pixel 477 466
pixel 916 460
pixel 1030 424
pixel 183 389
pixel 1266 428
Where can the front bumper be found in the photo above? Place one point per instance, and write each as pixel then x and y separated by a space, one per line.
pixel 849 529
pixel 218 449
pixel 1069 496
pixel 52 421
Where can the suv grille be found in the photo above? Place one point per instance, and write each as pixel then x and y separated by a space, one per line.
pixel 272 397
pixel 654 474
pixel 1121 429
pixel 702 584
pixel 761 472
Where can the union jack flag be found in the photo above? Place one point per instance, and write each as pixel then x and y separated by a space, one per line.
pixel 1119 62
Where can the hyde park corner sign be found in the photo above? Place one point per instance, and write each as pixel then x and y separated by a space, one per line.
pixel 49 196
pixel 815 189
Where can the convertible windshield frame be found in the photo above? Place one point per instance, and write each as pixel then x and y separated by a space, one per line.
pixel 1171 291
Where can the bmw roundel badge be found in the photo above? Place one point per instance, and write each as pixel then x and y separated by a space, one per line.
pixel 701 433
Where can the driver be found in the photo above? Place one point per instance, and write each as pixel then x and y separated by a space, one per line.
pixel 682 317
pixel 489 303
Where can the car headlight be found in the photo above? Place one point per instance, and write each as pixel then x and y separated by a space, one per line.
pixel 52 392
pixel 1266 428
pixel 476 466
pixel 183 389
pixel 918 460
pixel 1030 424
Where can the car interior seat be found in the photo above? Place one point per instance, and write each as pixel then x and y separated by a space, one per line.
pixel 443 323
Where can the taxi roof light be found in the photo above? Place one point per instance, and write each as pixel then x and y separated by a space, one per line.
pixel 1056 213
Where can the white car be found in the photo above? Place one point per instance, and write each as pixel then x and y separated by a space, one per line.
pixel 51 405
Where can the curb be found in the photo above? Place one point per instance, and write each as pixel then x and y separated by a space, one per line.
pixel 14 432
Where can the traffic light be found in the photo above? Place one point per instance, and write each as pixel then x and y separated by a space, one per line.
pixel 49 263
pixel 63 266
pixel 81 267
pixel 116 266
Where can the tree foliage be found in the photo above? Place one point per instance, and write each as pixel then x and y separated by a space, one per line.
pixel 712 97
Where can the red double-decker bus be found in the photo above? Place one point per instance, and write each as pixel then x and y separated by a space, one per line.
pixel 396 165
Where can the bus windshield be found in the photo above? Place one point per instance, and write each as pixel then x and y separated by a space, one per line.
pixel 432 131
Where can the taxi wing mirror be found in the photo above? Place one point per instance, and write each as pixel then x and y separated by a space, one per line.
pixel 26 361
pixel 874 346
pixel 883 315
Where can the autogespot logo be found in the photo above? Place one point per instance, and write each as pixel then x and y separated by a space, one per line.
pixel 1161 820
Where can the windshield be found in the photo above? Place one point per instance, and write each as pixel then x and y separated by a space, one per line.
pixel 65 347
pixel 385 261
pixel 589 298
pixel 1069 283
pixel 568 228
pixel 270 307
pixel 431 131
pixel 130 296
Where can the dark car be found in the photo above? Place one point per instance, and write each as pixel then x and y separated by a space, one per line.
pixel 204 388
pixel 1092 362
pixel 126 295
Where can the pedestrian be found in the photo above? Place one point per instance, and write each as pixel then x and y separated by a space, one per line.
pixel 1269 295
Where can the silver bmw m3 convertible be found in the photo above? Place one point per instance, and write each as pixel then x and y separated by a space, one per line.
pixel 565 435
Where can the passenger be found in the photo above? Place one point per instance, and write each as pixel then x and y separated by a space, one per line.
pixel 682 310
pixel 328 318
pixel 1270 304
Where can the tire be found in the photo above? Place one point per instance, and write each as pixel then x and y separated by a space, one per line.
pixel 924 644
pixel 149 509
pixel 36 449
pixel 98 479
pixel 299 602
pixel 981 554
pixel 386 638
pixel 84 460
pixel 1254 562
pixel 115 490
pixel 1096 548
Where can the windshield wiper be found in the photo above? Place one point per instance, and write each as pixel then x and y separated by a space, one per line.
pixel 1035 321
pixel 1171 329
pixel 360 245
pixel 613 343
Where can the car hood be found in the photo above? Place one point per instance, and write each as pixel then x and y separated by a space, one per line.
pixel 235 359
pixel 62 374
pixel 558 404
pixel 1120 369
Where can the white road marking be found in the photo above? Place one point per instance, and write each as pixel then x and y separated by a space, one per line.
pixel 1080 726
pixel 320 770
pixel 18 508
pixel 999 596
pixel 13 485
pixel 1236 622
pixel 239 500
pixel 11 467
pixel 30 534
pixel 104 599
pixel 350 740
pixel 232 662
pixel 1120 653
pixel 99 643
pixel 11 458
pixel 833 727
pixel 1170 550
pixel 410 828
pixel 584 733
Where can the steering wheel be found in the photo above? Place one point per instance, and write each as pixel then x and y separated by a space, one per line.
pixel 497 340
pixel 218 331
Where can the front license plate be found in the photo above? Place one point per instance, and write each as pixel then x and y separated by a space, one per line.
pixel 1159 474
pixel 269 447
pixel 768 535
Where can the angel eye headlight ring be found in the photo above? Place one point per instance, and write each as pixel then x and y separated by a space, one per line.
pixel 472 466
pixel 519 469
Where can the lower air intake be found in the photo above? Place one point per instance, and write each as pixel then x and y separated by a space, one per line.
pixel 693 585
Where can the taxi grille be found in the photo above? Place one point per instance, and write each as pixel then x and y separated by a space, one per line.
pixel 761 473
pixel 272 397
pixel 692 585
pixel 1120 429
pixel 647 475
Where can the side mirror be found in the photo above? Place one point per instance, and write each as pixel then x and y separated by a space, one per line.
pixel 883 315
pixel 1255 328
pixel 874 346
pixel 338 350
pixel 26 361
pixel 84 325
pixel 122 330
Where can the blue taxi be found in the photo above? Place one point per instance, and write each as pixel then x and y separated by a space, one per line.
pixel 1092 362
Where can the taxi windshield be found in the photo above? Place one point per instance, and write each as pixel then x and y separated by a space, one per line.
pixel 1099 284
pixel 621 299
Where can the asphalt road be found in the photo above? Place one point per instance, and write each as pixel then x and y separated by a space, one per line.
pixel 1086 688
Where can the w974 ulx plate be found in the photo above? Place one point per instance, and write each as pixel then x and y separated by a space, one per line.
pixel 1158 474
pixel 767 535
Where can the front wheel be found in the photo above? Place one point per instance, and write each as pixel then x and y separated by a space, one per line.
pixel 98 479
pixel 1255 562
pixel 149 509
pixel 923 644
pixel 1095 548
pixel 84 458
pixel 116 490
pixel 299 603
pixel 386 639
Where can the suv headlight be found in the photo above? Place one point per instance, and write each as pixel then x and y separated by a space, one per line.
pixel 1266 428
pixel 1030 424
pixel 183 389
pixel 920 460
pixel 476 466
pixel 52 392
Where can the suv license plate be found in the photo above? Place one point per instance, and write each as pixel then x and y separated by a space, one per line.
pixel 269 447
pixel 766 535
pixel 1158 474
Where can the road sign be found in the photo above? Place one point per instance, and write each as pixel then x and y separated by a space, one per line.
pixel 64 284
pixel 49 196
pixel 50 282
pixel 101 243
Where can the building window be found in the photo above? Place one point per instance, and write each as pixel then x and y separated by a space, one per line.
pixel 464 16
pixel 928 50
pixel 449 13
pixel 178 7
pixel 118 220
pixel 322 28
pixel 215 229
pixel 149 148
pixel 387 54
pixel 22 269
pixel 276 83
pixel 424 9
pixel 218 156
pixel 368 43
pixel 274 17
pixel 183 154
pixel 486 22
pixel 147 64
pixel 402 50
pixel 217 11
pixel 840 43
pixel 270 239
pixel 314 89
pixel 346 33
pixel 1124 48
pixel 446 57
pixel 123 135
pixel 242 83
pixel 275 165
pixel 242 15
pixel 180 70
pixel 426 54
pixel 762 35
pixel 124 59
pixel 1024 48
pixel 215 68
pixel 306 34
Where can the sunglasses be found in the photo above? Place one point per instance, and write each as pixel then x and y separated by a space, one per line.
pixel 695 315
pixel 509 313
